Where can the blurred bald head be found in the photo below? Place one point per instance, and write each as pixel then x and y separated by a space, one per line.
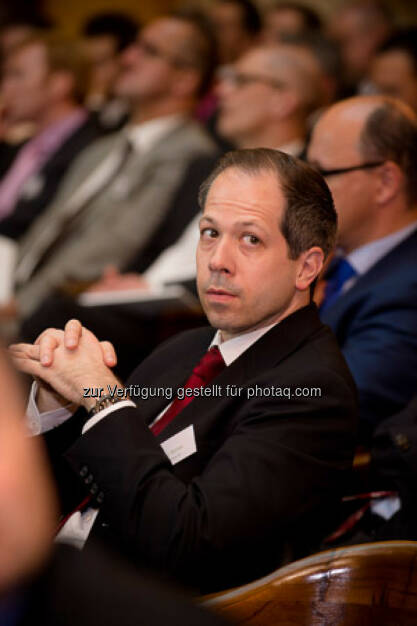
pixel 268 94
pixel 377 136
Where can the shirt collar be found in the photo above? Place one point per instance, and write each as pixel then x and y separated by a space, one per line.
pixel 231 349
pixel 145 136
pixel 363 258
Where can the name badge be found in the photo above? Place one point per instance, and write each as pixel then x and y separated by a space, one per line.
pixel 180 446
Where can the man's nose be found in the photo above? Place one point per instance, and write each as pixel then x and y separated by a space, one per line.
pixel 222 258
pixel 130 55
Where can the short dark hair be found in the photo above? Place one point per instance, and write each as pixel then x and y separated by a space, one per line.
pixel 310 17
pixel 200 50
pixel 115 24
pixel 404 40
pixel 309 217
pixel 251 17
pixel 390 134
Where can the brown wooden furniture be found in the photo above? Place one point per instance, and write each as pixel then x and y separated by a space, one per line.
pixel 374 583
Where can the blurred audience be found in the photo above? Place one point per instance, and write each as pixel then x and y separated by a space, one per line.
pixel 119 191
pixel 265 100
pixel 289 18
pixel 394 68
pixel 106 36
pixel 237 26
pixel 44 82
pixel 360 27
pixel 61 587
pixel 366 148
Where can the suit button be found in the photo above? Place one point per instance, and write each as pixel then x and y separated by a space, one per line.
pixel 83 471
pixel 89 479
pixel 402 442
pixel 93 489
pixel 100 498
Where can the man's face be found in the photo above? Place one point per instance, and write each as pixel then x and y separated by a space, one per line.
pixel 104 63
pixel 393 74
pixel 244 275
pixel 335 144
pixel 232 38
pixel 24 88
pixel 246 97
pixel 282 22
pixel 149 67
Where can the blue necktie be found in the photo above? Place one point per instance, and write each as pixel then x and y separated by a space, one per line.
pixel 338 275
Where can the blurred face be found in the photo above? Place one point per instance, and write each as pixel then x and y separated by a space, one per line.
pixel 27 505
pixel 357 43
pixel 150 67
pixel 246 98
pixel 232 38
pixel 393 74
pixel 25 84
pixel 104 63
pixel 244 276
pixel 334 144
pixel 282 22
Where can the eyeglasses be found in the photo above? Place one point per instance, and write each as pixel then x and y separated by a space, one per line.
pixel 153 51
pixel 241 79
pixel 344 170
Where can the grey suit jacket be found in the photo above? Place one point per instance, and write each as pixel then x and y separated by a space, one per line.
pixel 119 220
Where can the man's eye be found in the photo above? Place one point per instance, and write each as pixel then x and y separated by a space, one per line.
pixel 208 233
pixel 251 240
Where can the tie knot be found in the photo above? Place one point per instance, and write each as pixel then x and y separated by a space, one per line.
pixel 340 272
pixel 210 365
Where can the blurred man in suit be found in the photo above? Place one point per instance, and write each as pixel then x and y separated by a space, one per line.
pixel 57 586
pixel 366 148
pixel 44 82
pixel 119 191
pixel 219 488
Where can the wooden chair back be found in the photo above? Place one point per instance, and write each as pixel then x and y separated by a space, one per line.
pixel 374 583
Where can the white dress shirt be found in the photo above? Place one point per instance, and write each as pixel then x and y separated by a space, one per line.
pixel 77 528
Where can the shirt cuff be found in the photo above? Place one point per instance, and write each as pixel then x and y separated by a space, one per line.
pixel 39 423
pixel 101 414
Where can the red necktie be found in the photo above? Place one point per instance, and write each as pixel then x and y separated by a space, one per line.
pixel 208 368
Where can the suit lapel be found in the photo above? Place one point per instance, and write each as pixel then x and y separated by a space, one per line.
pixel 272 348
pixel 382 269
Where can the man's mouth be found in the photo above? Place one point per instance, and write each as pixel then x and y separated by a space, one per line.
pixel 218 294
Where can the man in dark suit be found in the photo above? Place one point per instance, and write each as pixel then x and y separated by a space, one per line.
pixel 242 469
pixel 366 148
pixel 44 82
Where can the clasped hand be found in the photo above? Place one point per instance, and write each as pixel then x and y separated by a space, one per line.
pixel 66 362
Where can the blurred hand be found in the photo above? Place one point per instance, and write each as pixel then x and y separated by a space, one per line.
pixel 113 280
pixel 28 510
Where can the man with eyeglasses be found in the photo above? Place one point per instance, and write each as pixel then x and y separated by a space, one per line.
pixel 366 148
pixel 120 190
pixel 267 96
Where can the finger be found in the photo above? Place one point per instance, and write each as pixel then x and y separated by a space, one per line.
pixel 49 332
pixel 25 350
pixel 109 353
pixel 73 331
pixel 47 346
pixel 28 366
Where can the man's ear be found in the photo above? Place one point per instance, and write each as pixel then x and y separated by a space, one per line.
pixel 187 83
pixel 310 264
pixel 390 182
pixel 283 104
pixel 61 84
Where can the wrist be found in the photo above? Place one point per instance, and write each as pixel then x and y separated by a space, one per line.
pixel 103 386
